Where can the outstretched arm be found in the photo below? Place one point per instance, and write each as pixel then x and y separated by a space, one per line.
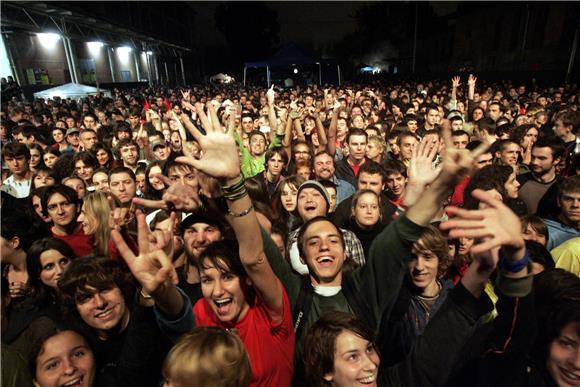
pixel 322 140
pixel 270 94
pixel 220 160
pixel 331 143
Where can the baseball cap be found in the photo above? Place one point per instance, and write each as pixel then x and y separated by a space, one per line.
pixel 157 143
pixel 71 131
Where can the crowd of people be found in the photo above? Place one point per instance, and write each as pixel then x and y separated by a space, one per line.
pixel 390 234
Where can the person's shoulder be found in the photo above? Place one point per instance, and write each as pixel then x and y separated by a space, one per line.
pixel 525 177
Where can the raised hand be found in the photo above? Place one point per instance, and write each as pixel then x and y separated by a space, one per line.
pixel 270 95
pixel 179 196
pixel 152 268
pixel 493 226
pixel 219 153
pixel 455 82
pixel 457 162
pixel 185 95
pixel 188 106
pixel 120 216
pixel 421 169
pixel 153 115
pixel 471 80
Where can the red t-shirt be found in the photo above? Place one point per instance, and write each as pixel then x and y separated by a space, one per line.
pixel 458 191
pixel 270 345
pixel 81 244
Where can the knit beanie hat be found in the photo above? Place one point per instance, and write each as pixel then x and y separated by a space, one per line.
pixel 317 186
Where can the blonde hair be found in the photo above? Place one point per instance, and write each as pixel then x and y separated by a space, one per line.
pixel 96 206
pixel 208 356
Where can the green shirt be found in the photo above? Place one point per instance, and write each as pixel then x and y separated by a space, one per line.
pixel 251 166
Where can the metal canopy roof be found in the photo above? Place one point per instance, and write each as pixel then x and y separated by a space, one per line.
pixel 43 16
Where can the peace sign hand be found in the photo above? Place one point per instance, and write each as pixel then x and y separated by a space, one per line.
pixel 151 268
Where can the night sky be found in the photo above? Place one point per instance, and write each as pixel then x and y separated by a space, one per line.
pixel 302 22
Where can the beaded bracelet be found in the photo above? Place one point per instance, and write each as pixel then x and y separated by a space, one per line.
pixel 243 213
pixel 513 266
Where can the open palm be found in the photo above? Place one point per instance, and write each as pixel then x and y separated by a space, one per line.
pixel 219 153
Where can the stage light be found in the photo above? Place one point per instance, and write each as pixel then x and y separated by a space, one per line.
pixel 295 71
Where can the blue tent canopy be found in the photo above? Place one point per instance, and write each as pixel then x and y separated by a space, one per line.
pixel 289 55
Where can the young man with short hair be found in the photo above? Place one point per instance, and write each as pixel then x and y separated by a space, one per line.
pixel 566 225
pixel 495 110
pixel 62 206
pixel 396 181
pixel 128 152
pixel 460 139
pixel 406 142
pixel 547 152
pixel 17 157
pixel 123 185
pixel 314 201
pixel 507 153
pixel 348 167
pixel 432 119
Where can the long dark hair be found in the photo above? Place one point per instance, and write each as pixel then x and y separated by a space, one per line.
pixel 150 192
pixel 34 267
pixel 224 256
